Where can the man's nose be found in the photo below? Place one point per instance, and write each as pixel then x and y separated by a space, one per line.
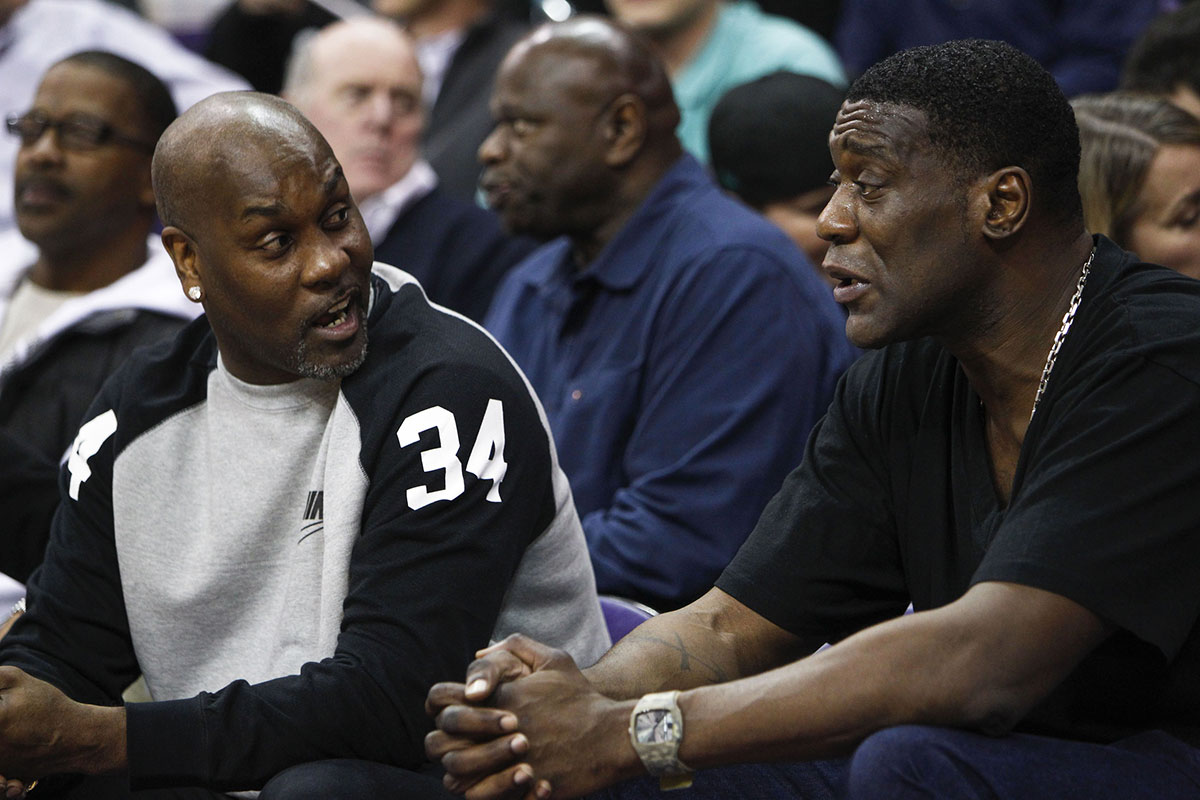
pixel 836 222
pixel 381 109
pixel 45 148
pixel 326 261
pixel 492 148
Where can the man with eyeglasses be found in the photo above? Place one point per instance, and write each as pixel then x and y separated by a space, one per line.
pixel 83 284
pixel 36 34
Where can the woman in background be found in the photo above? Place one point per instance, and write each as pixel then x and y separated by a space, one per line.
pixel 1139 176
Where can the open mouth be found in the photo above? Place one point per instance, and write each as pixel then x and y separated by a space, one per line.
pixel 849 287
pixel 334 316
pixel 337 314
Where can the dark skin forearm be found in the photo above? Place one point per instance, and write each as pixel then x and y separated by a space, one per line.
pixel 713 640
pixel 979 663
pixel 43 732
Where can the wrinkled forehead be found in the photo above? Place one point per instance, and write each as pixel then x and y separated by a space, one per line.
pixel 262 169
pixel 366 57
pixel 556 66
pixel 880 127
pixel 255 172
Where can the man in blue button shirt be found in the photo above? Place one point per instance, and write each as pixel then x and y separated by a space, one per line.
pixel 682 346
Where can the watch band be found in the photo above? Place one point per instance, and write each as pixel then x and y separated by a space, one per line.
pixel 661 758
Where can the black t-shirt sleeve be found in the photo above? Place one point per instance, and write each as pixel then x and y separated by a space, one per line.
pixel 823 560
pixel 1106 512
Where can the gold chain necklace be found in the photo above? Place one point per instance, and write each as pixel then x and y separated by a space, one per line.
pixel 1059 337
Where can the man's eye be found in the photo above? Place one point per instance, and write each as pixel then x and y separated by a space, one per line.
pixel 521 127
pixel 866 190
pixel 355 94
pixel 277 243
pixel 339 216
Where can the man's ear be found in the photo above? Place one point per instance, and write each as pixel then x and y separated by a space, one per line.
pixel 625 129
pixel 182 251
pixel 1008 195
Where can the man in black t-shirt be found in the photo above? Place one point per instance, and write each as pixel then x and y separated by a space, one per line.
pixel 1016 459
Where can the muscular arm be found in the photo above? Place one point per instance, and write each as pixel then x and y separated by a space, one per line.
pixel 980 663
pixel 714 640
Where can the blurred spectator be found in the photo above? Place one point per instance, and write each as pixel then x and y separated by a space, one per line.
pixel 91 283
pixel 1080 43
pixel 1139 176
pixel 254 37
pixel 358 81
pixel 681 344
pixel 710 46
pixel 769 141
pixel 35 34
pixel 1166 59
pixel 460 43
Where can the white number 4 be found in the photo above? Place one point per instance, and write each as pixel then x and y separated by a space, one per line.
pixel 92 435
pixel 486 461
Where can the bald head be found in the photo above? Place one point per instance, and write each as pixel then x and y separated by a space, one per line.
pixel 585 128
pixel 218 139
pixel 262 230
pixel 348 38
pixel 359 82
pixel 600 59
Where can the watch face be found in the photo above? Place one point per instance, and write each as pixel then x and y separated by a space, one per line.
pixel 657 725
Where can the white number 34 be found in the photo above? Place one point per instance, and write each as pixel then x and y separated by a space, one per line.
pixel 486 461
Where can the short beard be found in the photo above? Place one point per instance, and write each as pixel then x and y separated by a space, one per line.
pixel 325 372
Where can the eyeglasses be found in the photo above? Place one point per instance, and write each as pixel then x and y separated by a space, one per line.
pixel 76 132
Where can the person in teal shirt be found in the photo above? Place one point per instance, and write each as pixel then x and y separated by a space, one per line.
pixel 710 46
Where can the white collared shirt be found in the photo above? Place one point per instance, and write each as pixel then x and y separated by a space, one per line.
pixel 434 54
pixel 380 211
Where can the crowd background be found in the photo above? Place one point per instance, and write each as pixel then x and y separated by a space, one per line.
pixel 757 86
pixel 662 294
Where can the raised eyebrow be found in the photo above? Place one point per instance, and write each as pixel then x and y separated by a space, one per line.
pixel 334 180
pixel 266 210
pixel 877 151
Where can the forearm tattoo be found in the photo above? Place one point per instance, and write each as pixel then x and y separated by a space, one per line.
pixel 688 661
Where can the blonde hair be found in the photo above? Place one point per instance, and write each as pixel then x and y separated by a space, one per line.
pixel 1119 134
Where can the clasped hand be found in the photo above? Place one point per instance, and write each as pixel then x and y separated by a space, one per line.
pixel 525 724
pixel 34 717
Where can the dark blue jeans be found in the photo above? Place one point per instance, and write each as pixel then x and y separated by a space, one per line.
pixel 914 762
